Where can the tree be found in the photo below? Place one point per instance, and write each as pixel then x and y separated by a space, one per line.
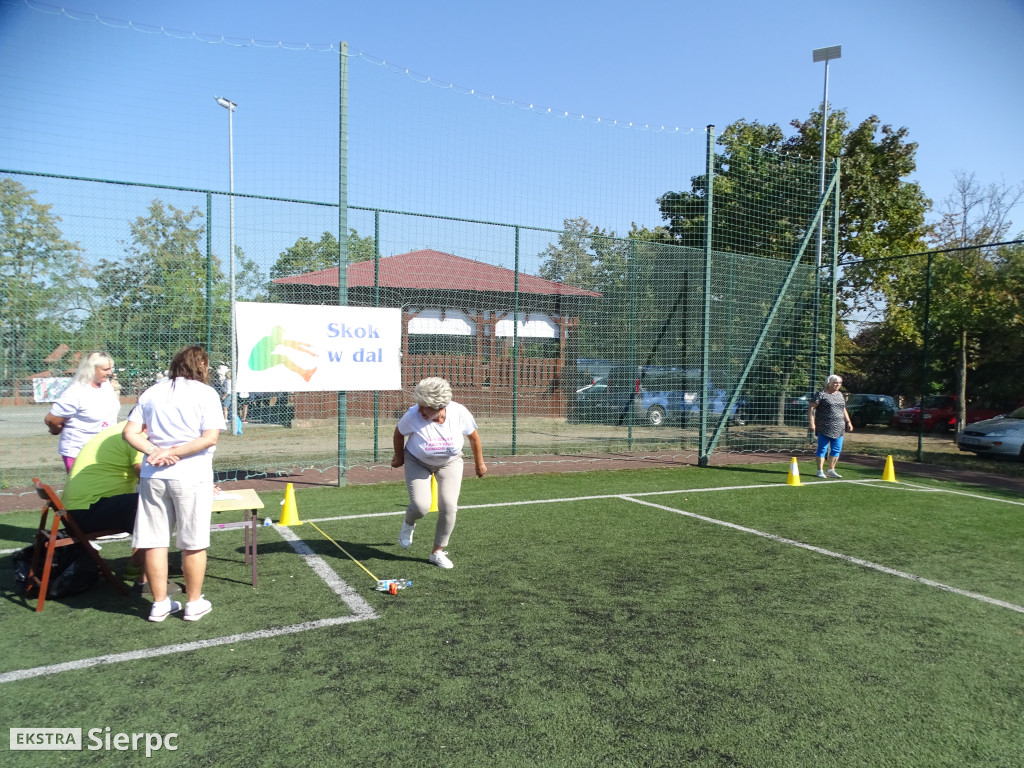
pixel 250 281
pixel 360 248
pixel 593 259
pixel 761 176
pixel 306 256
pixel 967 282
pixel 754 185
pixel 765 186
pixel 1002 367
pixel 41 281
pixel 154 298
pixel 585 257
pixel 975 215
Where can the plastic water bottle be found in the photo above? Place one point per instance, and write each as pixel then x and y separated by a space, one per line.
pixel 392 585
pixel 266 522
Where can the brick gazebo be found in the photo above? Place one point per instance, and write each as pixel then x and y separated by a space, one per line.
pixel 457 322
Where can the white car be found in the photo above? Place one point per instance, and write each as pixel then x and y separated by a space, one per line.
pixel 1001 436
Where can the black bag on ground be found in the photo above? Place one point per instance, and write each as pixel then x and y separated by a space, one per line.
pixel 73 570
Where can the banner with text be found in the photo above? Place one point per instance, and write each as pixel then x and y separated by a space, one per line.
pixel 301 348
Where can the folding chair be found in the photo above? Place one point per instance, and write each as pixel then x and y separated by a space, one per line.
pixel 46 541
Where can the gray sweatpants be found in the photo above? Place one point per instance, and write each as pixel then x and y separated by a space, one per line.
pixel 449 483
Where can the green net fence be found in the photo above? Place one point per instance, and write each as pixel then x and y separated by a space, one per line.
pixel 938 351
pixel 563 343
pixel 590 287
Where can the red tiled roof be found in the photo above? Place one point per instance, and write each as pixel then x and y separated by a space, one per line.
pixel 57 354
pixel 430 269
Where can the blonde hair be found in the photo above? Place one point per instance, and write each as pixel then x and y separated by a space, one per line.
pixel 86 372
pixel 433 392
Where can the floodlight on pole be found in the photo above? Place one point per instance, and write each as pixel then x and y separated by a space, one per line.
pixel 826 55
pixel 230 106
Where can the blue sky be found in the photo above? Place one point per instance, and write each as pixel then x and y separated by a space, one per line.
pixel 948 71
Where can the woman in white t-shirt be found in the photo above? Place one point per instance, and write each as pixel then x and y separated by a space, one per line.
pixel 176 424
pixel 437 428
pixel 87 407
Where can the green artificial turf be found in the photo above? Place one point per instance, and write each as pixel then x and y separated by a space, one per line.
pixel 589 630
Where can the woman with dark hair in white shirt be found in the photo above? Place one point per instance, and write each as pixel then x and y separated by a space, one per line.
pixel 176 424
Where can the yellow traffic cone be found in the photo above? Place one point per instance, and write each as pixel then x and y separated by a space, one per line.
pixel 290 513
pixel 889 473
pixel 433 494
pixel 794 473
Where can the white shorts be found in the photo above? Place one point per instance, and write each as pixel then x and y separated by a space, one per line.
pixel 164 504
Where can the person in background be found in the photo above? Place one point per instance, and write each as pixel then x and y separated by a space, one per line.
pixel 176 425
pixel 243 406
pixel 829 420
pixel 115 383
pixel 225 391
pixel 227 383
pixel 86 407
pixel 437 428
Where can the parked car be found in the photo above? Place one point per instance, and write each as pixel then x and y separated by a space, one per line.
pixel 650 395
pixel 590 404
pixel 870 409
pixel 795 408
pixel 670 394
pixel 938 414
pixel 270 408
pixel 1001 436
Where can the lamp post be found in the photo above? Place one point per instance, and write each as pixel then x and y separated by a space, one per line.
pixel 826 55
pixel 230 107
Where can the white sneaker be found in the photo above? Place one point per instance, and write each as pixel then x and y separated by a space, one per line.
pixel 196 609
pixel 114 537
pixel 832 473
pixel 821 474
pixel 163 609
pixel 405 535
pixel 441 559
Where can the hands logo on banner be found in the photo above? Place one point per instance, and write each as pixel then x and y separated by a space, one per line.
pixel 265 354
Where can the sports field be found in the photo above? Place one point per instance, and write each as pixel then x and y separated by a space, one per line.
pixel 699 617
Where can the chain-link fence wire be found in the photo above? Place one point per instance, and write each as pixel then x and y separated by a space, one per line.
pixel 945 332
pixel 608 357
pixel 555 266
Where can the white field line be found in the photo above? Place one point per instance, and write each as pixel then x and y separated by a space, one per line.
pixel 814 482
pixel 361 611
pixel 636 498
pixel 925 489
pixel 830 553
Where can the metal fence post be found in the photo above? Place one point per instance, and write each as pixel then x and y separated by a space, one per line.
pixel 515 347
pixel 835 269
pixel 376 303
pixel 924 354
pixel 342 240
pixel 209 276
pixel 705 339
